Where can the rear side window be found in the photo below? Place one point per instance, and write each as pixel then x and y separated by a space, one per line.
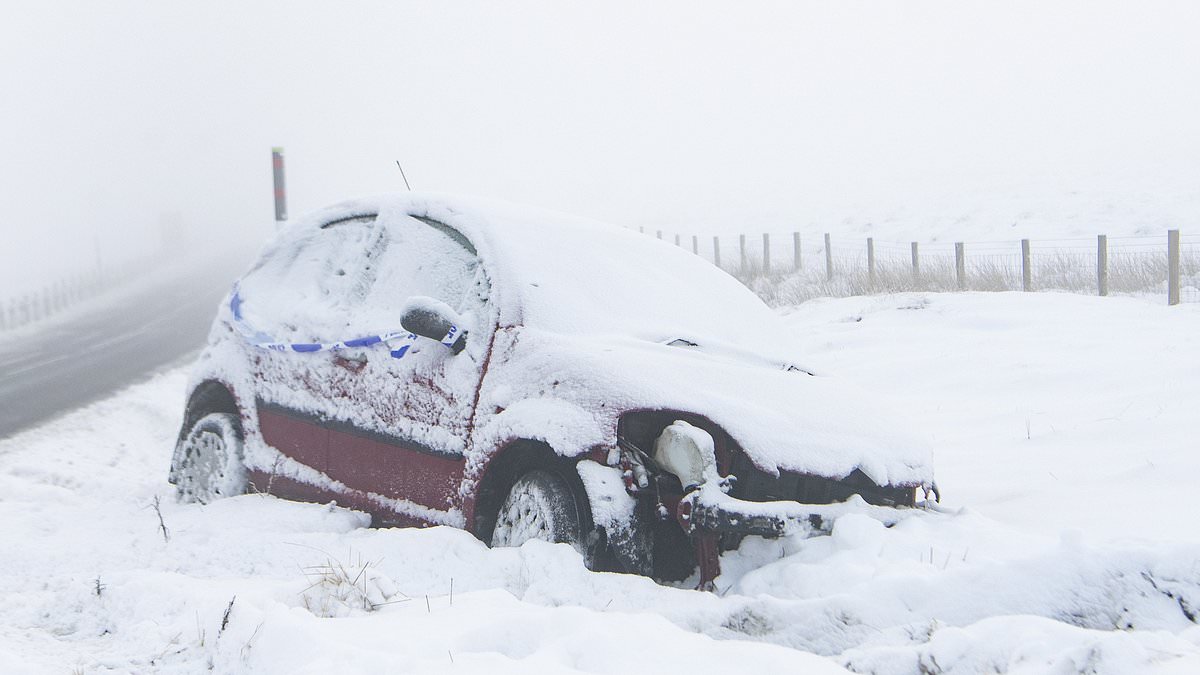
pixel 307 289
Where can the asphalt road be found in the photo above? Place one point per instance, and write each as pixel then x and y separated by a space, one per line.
pixel 114 342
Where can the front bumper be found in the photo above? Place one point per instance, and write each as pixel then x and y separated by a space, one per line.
pixel 707 509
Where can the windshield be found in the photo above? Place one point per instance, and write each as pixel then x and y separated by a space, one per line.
pixel 598 279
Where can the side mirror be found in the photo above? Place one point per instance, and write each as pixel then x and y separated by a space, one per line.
pixel 433 319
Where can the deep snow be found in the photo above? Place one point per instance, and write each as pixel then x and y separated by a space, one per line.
pixel 1063 429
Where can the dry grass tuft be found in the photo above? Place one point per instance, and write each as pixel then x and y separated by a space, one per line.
pixel 338 589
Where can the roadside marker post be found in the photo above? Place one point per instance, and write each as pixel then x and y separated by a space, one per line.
pixel 280 189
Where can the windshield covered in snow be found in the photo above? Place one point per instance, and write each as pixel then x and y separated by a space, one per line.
pixel 591 278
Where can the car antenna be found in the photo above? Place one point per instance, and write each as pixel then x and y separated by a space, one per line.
pixel 403 176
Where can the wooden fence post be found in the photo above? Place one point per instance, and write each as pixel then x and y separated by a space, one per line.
pixel 695 244
pixel 766 253
pixel 828 259
pixel 742 249
pixel 871 260
pixel 960 265
pixel 916 262
pixel 1026 267
pixel 717 251
pixel 796 263
pixel 676 240
pixel 1172 267
pixel 1102 264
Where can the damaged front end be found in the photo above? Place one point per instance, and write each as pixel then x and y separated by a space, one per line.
pixel 699 495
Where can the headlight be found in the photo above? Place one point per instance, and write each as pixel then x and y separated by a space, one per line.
pixel 687 452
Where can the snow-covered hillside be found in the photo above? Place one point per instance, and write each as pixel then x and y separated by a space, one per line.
pixel 1064 430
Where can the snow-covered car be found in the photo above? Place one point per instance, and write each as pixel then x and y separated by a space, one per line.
pixel 433 360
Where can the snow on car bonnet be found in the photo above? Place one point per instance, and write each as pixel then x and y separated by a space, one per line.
pixel 568 274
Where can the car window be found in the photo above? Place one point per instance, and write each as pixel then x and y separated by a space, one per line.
pixel 351 277
pixel 307 288
pixel 454 234
pixel 426 257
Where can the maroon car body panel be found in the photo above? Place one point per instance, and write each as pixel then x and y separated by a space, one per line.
pixel 394 468
pixel 294 436
pixel 365 462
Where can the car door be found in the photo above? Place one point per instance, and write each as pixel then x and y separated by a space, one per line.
pixel 383 423
pixel 400 414
pixel 301 293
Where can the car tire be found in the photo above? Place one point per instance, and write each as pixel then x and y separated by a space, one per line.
pixel 208 460
pixel 543 504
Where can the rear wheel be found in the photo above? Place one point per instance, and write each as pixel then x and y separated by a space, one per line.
pixel 542 505
pixel 208 461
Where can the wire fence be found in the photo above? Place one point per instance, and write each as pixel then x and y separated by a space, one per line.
pixel 791 267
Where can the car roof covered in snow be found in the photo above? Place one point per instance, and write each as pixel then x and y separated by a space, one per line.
pixel 569 274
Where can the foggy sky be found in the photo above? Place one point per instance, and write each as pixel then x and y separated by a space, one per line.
pixel 697 116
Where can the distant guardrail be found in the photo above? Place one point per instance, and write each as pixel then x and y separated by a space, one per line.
pixel 68 291
pixel 791 267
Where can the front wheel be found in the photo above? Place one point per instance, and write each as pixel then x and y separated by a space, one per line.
pixel 542 505
pixel 208 461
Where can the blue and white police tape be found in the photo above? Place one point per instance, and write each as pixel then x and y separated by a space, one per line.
pixel 398 343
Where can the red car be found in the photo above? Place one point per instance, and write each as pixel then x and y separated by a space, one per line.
pixel 521 374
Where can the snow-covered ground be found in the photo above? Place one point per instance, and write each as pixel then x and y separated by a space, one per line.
pixel 1064 430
